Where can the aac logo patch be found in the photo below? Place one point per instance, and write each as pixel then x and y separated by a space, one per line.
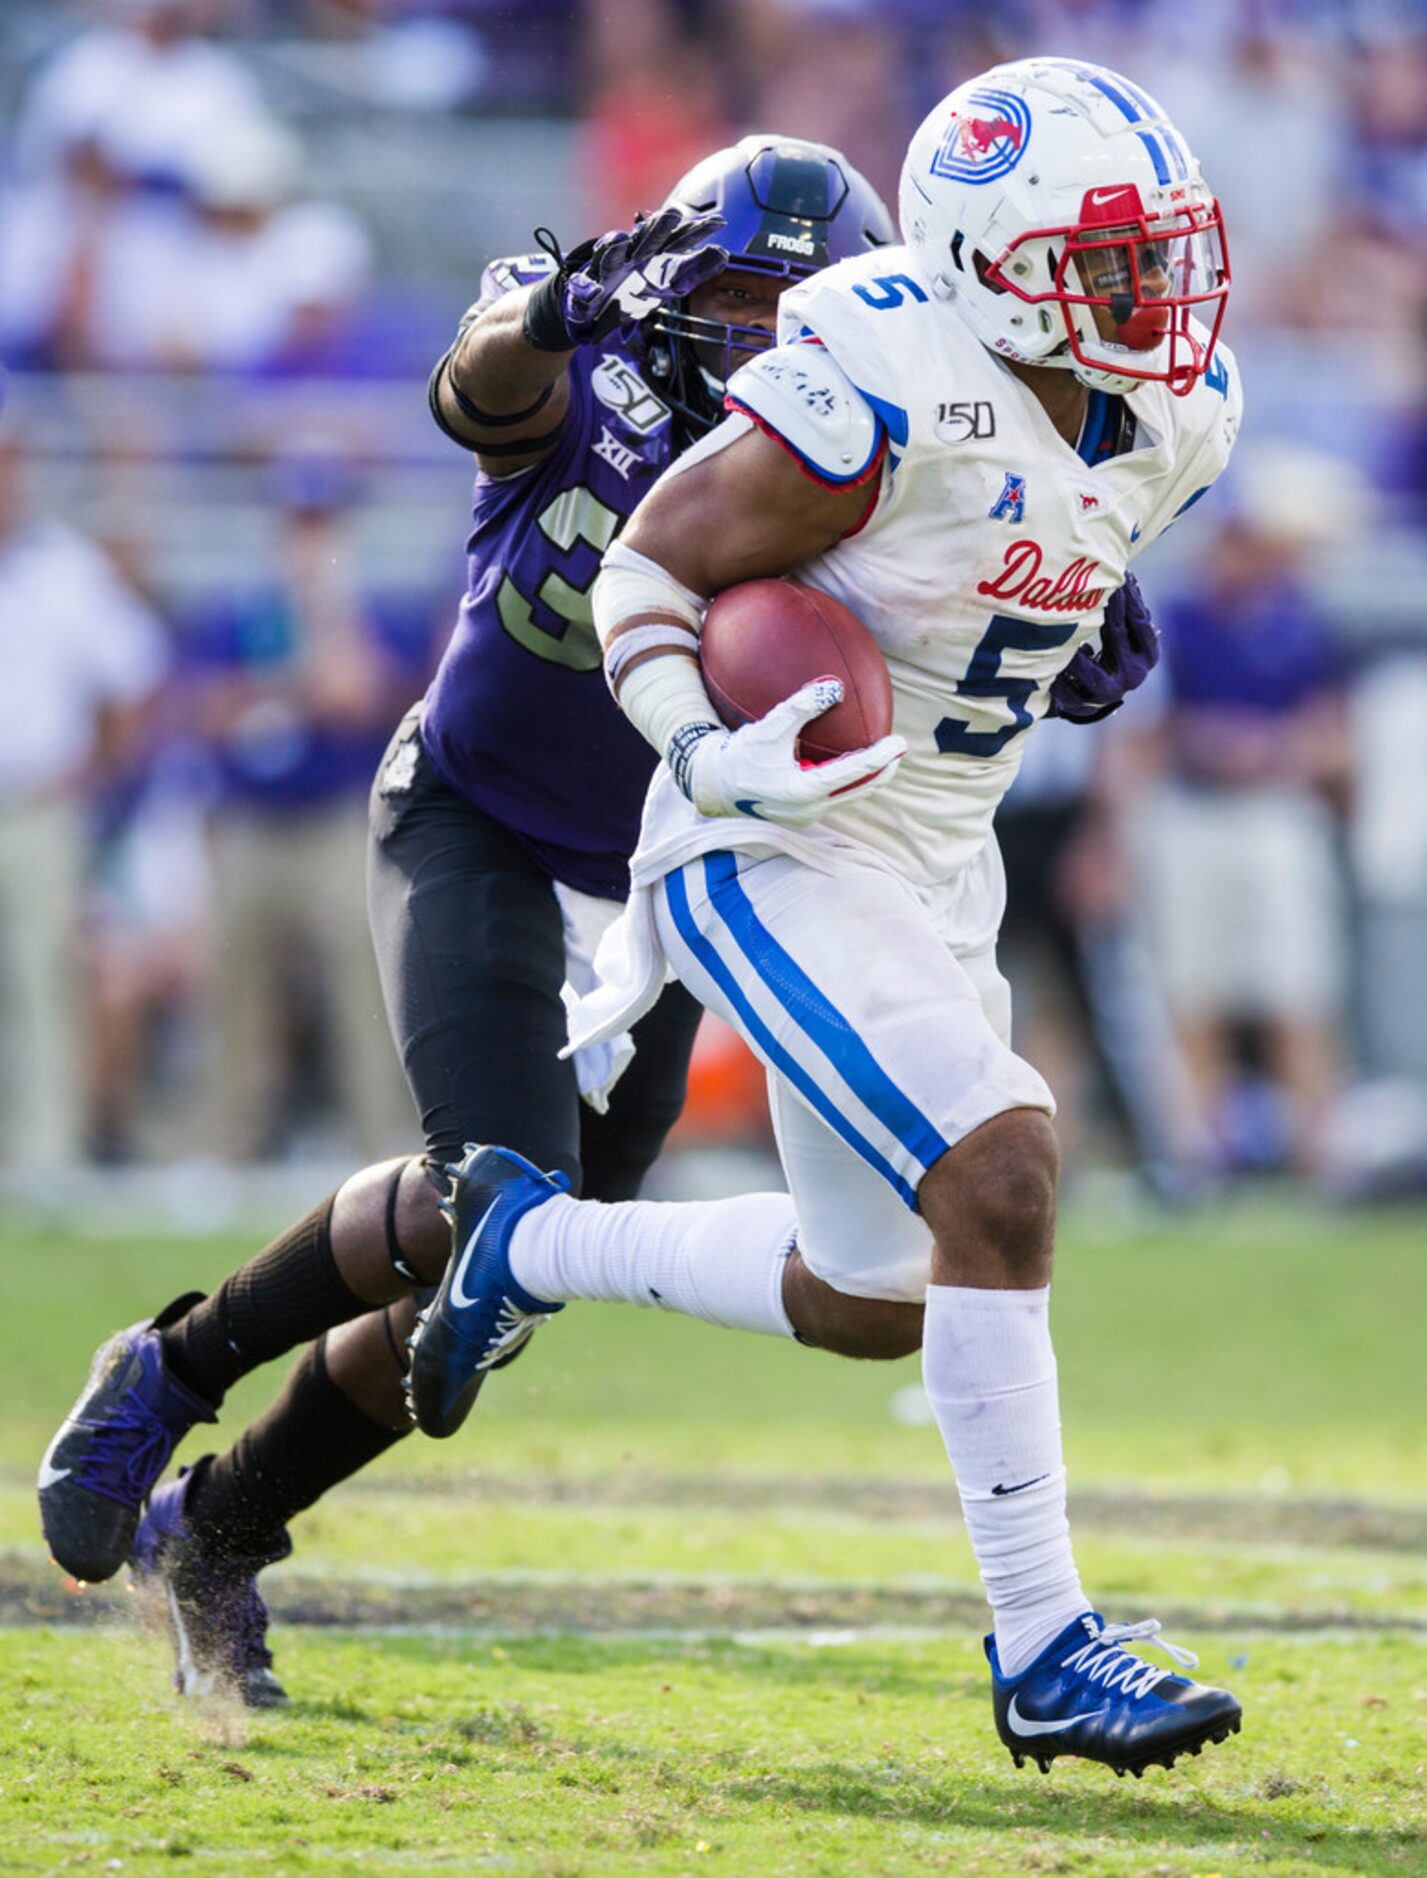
pixel 1010 505
pixel 985 139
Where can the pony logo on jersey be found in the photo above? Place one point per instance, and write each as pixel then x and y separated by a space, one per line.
pixel 978 148
pixel 1010 505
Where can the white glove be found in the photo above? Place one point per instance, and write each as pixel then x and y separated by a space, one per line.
pixel 755 770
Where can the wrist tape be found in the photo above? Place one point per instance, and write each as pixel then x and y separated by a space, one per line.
pixel 640 607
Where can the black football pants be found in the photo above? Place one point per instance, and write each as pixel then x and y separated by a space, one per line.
pixel 470 946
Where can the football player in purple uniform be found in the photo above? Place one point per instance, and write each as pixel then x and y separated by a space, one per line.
pixel 502 819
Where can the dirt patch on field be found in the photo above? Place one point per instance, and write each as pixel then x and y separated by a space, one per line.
pixel 1183 1519
pixel 33 1594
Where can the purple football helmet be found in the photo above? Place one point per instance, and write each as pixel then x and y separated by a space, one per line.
pixel 789 207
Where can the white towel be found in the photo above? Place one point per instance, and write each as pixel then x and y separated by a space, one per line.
pixel 592 935
pixel 606 996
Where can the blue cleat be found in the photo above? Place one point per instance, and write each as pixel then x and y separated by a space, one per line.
pixel 113 1446
pixel 480 1318
pixel 1086 1695
pixel 216 1613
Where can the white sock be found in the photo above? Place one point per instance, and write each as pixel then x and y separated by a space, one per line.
pixel 721 1260
pixel 990 1377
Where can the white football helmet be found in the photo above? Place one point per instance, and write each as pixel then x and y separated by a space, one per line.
pixel 1060 208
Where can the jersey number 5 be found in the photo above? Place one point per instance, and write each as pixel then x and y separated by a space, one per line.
pixel 954 736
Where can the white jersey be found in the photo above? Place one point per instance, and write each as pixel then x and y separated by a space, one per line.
pixel 985 562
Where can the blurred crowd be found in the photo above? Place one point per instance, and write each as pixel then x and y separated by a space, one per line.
pixel 234 234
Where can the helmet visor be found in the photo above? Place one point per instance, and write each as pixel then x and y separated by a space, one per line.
pixel 1141 279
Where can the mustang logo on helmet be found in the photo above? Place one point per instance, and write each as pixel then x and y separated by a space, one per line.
pixel 978 149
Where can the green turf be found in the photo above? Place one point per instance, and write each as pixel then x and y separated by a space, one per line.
pixel 570 1756
pixel 1265 1347
pixel 1244 1399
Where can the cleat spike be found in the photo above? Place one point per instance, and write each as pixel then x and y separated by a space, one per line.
pixel 1019 1759
pixel 1044 1765
pixel 1138 1772
pixel 1119 1773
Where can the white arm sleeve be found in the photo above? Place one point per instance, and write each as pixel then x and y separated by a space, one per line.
pixel 636 599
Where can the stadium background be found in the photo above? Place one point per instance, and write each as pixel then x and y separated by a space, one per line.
pixel 681 1601
pixel 225 268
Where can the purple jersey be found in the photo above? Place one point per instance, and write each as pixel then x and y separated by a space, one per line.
pixel 518 719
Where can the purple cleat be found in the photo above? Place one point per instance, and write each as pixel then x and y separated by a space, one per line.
pixel 112 1447
pixel 215 1610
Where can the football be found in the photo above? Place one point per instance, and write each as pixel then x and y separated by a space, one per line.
pixel 765 638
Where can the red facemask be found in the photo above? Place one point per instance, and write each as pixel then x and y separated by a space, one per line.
pixel 1150 274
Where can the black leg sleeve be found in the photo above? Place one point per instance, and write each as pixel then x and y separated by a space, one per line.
pixel 311 1438
pixel 289 1294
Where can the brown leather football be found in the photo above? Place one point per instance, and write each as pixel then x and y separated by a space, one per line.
pixel 765 638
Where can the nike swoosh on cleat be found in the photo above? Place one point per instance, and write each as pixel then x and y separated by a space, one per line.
pixel 1023 1726
pixel 459 1295
pixel 1020 1487
pixel 749 806
pixel 52 1476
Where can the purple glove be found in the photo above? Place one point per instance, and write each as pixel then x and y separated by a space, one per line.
pixel 622 277
pixel 1096 683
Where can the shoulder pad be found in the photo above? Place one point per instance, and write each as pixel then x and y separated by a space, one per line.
pixel 804 398
pixel 1208 424
pixel 1214 411
pixel 512 271
pixel 503 277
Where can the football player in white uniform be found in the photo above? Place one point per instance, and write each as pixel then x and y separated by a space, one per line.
pixel 967 439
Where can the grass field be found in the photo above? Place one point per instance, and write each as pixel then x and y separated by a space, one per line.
pixel 681 1602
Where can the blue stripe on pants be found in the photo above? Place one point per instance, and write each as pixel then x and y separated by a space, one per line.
pixel 819 1020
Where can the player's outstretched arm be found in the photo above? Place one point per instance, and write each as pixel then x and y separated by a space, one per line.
pixel 496 393
pixel 502 388
pixel 731 514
